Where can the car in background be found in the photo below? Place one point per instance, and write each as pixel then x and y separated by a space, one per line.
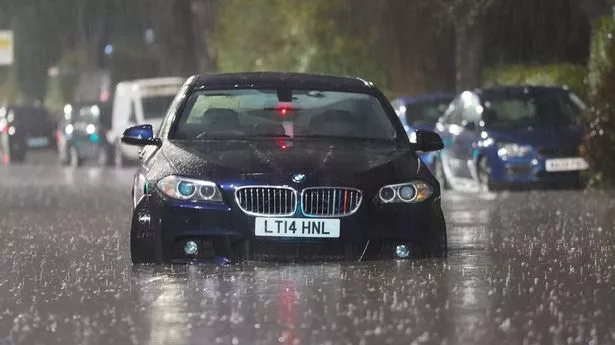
pixel 512 136
pixel 13 140
pixel 283 167
pixel 422 112
pixel 137 102
pixel 23 128
pixel 82 136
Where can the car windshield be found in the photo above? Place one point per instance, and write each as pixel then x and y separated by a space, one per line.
pixel 250 113
pixel 155 107
pixel 426 112
pixel 533 109
pixel 90 114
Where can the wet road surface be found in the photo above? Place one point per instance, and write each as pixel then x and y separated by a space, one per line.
pixel 523 268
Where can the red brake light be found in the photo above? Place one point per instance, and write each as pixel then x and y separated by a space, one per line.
pixel 283 145
pixel 284 110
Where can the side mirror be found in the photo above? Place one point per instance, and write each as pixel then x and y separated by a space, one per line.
pixel 427 141
pixel 141 135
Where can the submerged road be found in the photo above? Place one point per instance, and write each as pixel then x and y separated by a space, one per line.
pixel 523 268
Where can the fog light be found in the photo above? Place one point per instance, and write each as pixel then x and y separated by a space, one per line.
pixel 402 251
pixel 191 248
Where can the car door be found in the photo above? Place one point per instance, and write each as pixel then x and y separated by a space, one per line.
pixel 449 128
pixel 466 141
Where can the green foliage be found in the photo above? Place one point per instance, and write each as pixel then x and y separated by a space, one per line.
pixel 294 35
pixel 9 91
pixel 600 114
pixel 571 76
pixel 130 62
pixel 61 88
pixel 599 59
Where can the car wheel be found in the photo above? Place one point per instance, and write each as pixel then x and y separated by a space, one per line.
pixel 142 240
pixel 18 157
pixel 73 157
pixel 437 246
pixel 440 175
pixel 483 173
pixel 63 157
pixel 118 158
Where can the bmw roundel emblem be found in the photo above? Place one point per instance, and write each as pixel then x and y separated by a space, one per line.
pixel 298 178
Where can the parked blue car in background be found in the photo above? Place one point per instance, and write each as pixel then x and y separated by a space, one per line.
pixel 422 112
pixel 511 136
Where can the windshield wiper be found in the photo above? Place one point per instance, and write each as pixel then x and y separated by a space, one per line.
pixel 338 137
pixel 269 135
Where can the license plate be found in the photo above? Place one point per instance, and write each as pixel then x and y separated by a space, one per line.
pixel 297 227
pixel 38 142
pixel 565 164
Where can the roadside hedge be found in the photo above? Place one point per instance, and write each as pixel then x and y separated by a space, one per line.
pixel 566 75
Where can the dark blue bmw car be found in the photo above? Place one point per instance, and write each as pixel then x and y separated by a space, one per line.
pixel 511 137
pixel 281 166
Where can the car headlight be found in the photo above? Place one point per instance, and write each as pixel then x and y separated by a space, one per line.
pixel 182 188
pixel 410 192
pixel 513 150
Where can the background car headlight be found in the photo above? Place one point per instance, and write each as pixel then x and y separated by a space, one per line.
pixel 182 188
pixel 513 150
pixel 410 192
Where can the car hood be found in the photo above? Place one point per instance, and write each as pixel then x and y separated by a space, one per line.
pixel 268 161
pixel 540 137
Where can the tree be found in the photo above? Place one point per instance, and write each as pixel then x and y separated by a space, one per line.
pixel 176 37
pixel 205 18
pixel 600 114
pixel 415 45
pixel 467 18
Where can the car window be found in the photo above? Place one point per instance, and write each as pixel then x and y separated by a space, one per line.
pixel 544 108
pixel 266 113
pixel 471 115
pixel 90 114
pixel 426 112
pixel 454 113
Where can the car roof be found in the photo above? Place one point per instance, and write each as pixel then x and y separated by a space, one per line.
pixel 426 97
pixel 283 79
pixel 154 81
pixel 503 90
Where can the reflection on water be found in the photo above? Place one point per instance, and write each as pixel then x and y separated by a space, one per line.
pixel 524 268
pixel 427 301
pixel 512 277
pixel 296 304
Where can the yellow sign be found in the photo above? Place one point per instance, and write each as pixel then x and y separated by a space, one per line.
pixel 6 47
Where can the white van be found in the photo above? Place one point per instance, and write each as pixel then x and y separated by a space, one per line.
pixel 138 102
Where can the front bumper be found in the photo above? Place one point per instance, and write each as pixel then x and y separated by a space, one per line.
pixel 370 233
pixel 532 172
